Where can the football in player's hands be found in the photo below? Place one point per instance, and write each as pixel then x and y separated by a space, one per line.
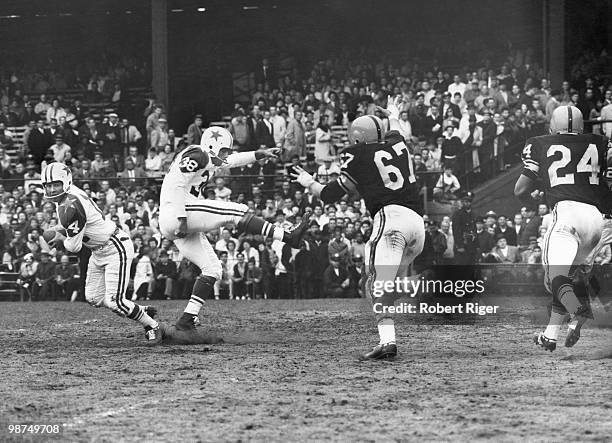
pixel 54 236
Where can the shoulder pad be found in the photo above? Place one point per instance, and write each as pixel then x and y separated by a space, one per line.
pixel 193 159
pixel 72 215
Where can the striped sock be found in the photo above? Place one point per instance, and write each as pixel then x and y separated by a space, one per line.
pixel 256 225
pixel 139 314
pixel 194 305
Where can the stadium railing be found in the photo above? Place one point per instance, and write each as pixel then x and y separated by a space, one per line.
pixel 9 287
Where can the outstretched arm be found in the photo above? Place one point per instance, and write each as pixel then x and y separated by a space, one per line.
pixel 329 193
pixel 246 158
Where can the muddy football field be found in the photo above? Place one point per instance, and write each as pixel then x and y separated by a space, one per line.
pixel 289 372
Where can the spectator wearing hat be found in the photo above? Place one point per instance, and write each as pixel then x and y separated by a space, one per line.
pixel 28 272
pixel 526 255
pixel 336 279
pixel 489 133
pixel 485 241
pixel 505 253
pixel 357 276
pixel 339 246
pixel 463 232
pixel 503 229
pixel 60 149
pixel 194 131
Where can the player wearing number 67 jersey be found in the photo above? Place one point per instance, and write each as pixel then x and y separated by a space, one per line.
pixel 571 167
pixel 185 215
pixel 108 271
pixel 379 167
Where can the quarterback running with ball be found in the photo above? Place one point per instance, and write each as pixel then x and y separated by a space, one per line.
pixel 378 165
pixel 185 216
pixel 82 223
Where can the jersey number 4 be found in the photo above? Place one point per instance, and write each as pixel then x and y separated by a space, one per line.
pixel 589 163
pixel 392 175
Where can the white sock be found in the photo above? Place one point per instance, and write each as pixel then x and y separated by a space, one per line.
pixel 554 325
pixel 143 318
pixel 148 321
pixel 278 233
pixel 194 305
pixel 386 331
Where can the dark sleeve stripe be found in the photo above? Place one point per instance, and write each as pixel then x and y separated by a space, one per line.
pixel 348 177
pixel 529 173
pixel 342 185
pixel 378 129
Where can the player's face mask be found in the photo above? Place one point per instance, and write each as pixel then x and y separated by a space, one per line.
pixel 221 159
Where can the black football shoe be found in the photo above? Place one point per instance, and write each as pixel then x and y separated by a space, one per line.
pixel 547 343
pixel 187 322
pixel 381 352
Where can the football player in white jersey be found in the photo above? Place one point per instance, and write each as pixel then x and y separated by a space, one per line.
pixel 185 215
pixel 112 251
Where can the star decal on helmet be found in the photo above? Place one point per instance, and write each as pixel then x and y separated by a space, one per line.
pixel 216 135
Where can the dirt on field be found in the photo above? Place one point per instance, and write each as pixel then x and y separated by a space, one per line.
pixel 291 373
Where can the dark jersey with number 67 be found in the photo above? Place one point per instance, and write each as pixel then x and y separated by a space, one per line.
pixel 382 173
pixel 571 167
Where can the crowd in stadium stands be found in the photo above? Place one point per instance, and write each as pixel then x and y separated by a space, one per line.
pixel 454 122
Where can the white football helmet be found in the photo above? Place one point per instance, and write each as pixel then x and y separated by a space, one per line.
pixel 566 120
pixel 56 172
pixel 214 141
pixel 366 129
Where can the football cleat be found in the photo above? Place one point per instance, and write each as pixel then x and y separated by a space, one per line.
pixel 153 335
pixel 187 321
pixel 547 343
pixel 296 234
pixel 572 337
pixel 381 352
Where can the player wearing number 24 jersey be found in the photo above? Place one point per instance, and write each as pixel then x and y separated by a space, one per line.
pixel 379 167
pixel 572 168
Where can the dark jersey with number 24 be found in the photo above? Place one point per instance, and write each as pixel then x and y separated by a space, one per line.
pixel 381 172
pixel 572 167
